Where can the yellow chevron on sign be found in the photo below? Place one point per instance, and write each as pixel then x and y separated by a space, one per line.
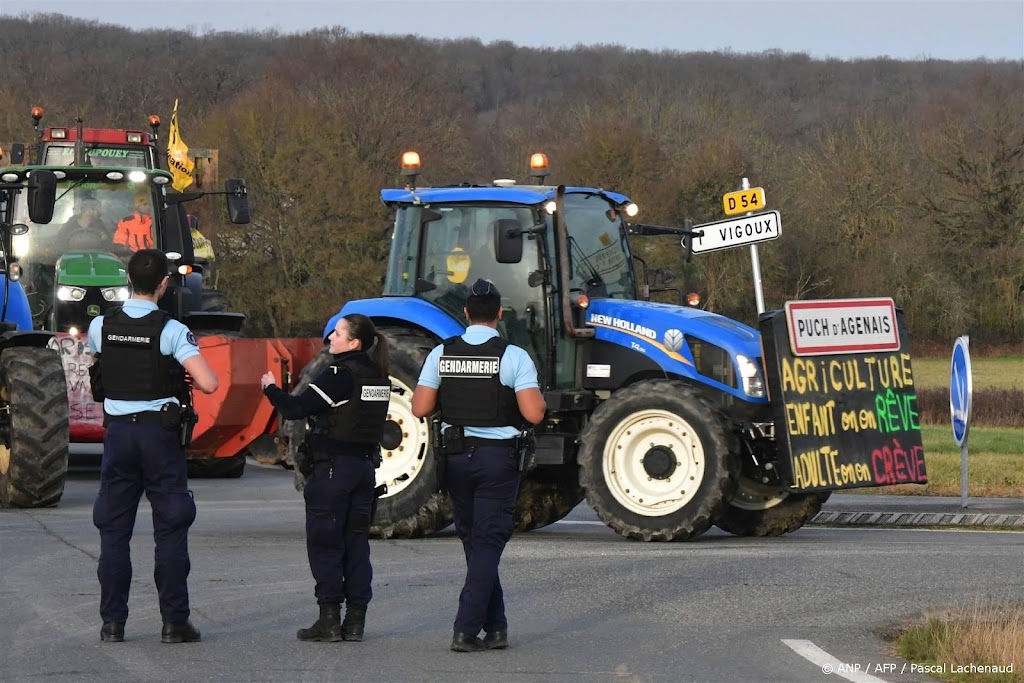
pixel 743 201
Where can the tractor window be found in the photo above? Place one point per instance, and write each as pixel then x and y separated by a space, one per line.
pixel 90 217
pixel 401 273
pixel 598 251
pixel 96 155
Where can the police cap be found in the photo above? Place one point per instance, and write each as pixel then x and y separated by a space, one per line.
pixel 484 287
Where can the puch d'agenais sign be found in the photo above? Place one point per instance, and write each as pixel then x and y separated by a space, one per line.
pixel 843 395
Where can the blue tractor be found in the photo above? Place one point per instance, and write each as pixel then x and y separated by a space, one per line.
pixel 657 413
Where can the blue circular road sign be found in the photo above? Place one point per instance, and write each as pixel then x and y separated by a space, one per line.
pixel 960 390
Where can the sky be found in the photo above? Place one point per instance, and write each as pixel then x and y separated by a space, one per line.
pixel 844 29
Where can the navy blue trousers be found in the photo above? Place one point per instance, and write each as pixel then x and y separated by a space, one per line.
pixel 339 500
pixel 137 458
pixel 483 483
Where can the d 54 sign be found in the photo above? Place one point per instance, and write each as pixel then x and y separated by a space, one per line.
pixel 743 201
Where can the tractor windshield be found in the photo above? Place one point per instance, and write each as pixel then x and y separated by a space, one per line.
pixel 599 256
pixel 439 259
pixel 88 217
pixel 97 154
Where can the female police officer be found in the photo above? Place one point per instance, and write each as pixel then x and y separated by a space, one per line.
pixel 348 404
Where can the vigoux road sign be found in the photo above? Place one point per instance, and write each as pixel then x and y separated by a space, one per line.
pixel 734 232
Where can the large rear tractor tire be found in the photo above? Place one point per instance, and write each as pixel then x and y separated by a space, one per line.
pixel 546 495
pixel 34 447
pixel 655 461
pixel 414 505
pixel 759 510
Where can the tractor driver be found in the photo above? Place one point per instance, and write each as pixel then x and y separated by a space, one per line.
pixel 86 229
pixel 136 230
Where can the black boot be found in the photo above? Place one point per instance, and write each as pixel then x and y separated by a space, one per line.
pixel 355 622
pixel 496 640
pixel 184 632
pixel 326 629
pixel 463 642
pixel 112 632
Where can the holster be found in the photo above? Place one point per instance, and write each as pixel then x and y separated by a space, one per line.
pixel 189 418
pixel 304 459
pixel 440 454
pixel 525 450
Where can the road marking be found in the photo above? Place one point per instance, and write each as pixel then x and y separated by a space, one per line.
pixel 827 663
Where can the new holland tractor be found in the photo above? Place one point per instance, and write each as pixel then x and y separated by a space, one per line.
pixel 657 414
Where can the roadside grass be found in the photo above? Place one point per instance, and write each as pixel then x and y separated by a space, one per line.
pixel 979 635
pixel 987 372
pixel 995 464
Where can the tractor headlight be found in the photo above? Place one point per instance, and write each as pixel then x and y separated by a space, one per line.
pixel 67 293
pixel 115 293
pixel 750 376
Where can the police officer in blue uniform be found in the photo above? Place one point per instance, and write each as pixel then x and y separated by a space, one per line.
pixel 486 389
pixel 348 404
pixel 143 355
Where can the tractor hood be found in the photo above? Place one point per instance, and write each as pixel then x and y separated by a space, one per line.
pixel 91 269
pixel 665 333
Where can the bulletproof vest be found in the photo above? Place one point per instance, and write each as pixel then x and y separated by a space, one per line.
pixel 471 393
pixel 361 419
pixel 131 365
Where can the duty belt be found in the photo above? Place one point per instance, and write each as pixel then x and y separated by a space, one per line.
pixel 144 416
pixel 479 441
pixel 323 457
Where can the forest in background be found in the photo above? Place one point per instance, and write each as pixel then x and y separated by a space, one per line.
pixel 893 178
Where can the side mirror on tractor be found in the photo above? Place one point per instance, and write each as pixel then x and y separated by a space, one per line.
pixel 42 195
pixel 508 241
pixel 238 200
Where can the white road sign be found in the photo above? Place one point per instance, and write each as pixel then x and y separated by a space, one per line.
pixel 837 326
pixel 735 232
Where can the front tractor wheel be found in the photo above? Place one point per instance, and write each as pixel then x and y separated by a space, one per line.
pixel 759 510
pixel 34 446
pixel 414 505
pixel 655 462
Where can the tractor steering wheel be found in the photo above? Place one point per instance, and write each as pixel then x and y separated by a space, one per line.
pixel 88 238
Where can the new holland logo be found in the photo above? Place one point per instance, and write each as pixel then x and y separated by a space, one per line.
pixel 673 340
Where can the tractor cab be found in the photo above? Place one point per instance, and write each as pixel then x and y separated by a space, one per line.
pixel 75 267
pixel 447 237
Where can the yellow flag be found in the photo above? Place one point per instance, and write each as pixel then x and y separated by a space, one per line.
pixel 178 160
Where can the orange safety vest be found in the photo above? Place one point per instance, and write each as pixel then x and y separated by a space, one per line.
pixel 135 232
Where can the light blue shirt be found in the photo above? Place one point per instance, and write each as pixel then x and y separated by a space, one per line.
pixel 175 340
pixel 516 370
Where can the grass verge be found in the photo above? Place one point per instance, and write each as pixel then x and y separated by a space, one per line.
pixel 995 464
pixel 981 643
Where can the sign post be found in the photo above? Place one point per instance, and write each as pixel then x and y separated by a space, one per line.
pixel 961 388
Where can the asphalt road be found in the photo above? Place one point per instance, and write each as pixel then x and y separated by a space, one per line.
pixel 584 604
